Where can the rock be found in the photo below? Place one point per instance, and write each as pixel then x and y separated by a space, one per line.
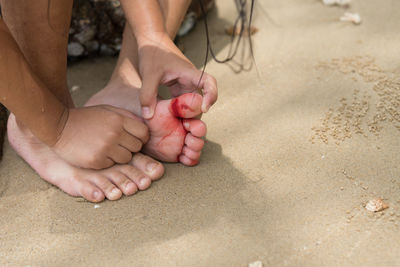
pixel 75 49
pixel 97 26
pixel 74 88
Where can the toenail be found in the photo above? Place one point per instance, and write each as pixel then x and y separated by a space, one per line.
pixel 115 191
pixel 144 182
pixel 151 167
pixel 96 194
pixel 130 187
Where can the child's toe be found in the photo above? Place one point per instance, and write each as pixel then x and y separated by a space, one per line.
pixel 141 180
pixel 194 155
pixel 109 189
pixel 187 161
pixel 90 191
pixel 122 182
pixel 186 105
pixel 194 143
pixel 196 127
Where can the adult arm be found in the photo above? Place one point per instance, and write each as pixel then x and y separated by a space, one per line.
pixel 92 137
pixel 24 95
pixel 160 61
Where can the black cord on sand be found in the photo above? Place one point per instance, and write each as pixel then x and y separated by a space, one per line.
pixel 234 45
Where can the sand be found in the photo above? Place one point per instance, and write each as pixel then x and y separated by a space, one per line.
pixel 294 153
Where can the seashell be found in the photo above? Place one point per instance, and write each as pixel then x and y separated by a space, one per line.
pixel 376 204
pixel 351 17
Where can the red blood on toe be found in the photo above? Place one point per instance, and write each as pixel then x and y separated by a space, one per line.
pixel 179 109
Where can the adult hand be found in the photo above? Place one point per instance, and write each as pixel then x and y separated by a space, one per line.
pixel 99 136
pixel 162 63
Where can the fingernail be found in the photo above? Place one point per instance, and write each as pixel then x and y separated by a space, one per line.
pixel 146 112
pixel 144 182
pixel 151 167
pixel 186 125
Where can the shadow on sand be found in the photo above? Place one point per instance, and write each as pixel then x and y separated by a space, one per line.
pixel 186 200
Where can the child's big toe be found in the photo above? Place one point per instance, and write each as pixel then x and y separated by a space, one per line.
pixel 186 105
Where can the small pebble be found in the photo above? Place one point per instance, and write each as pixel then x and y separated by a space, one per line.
pixel 74 88
pixel 96 206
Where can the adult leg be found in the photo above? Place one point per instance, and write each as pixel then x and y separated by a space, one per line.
pixel 41 28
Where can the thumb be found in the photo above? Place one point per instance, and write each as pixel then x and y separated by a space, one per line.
pixel 148 95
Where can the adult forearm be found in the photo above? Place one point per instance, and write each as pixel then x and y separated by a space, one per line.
pixel 25 95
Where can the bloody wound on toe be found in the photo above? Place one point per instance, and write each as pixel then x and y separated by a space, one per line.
pixel 179 109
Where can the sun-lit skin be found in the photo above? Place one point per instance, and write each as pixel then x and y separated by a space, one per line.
pixel 175 133
pixel 178 141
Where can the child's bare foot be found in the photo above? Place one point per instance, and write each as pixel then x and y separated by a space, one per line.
pixel 93 185
pixel 174 135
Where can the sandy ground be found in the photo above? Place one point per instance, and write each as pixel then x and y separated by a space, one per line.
pixel 293 154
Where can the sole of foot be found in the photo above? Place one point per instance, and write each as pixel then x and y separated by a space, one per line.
pixel 175 133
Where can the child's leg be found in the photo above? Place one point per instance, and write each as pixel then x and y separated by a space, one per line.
pixel 174 12
pixel 41 31
pixel 126 69
pixel 122 91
